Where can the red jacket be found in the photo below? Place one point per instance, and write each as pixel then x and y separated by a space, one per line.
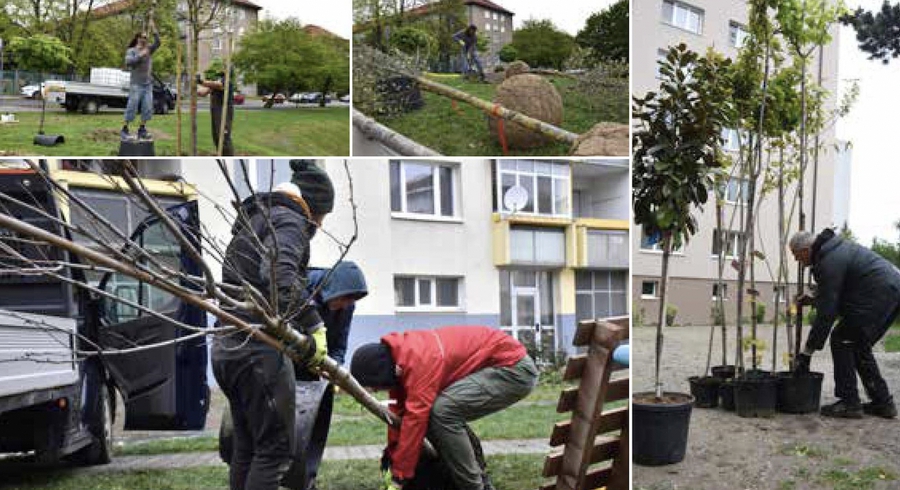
pixel 431 361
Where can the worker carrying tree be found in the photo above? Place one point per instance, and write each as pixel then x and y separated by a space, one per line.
pixel 441 379
pixel 220 89
pixel 139 60
pixel 862 290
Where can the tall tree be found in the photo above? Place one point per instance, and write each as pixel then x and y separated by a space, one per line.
pixel 541 44
pixel 200 15
pixel 877 33
pixel 606 34
pixel 41 53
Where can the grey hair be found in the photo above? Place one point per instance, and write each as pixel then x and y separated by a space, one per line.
pixel 802 240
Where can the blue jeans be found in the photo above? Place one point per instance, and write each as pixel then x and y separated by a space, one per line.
pixel 465 63
pixel 139 97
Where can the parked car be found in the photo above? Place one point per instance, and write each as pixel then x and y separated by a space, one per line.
pixel 32 91
pixel 239 98
pixel 345 98
pixel 277 98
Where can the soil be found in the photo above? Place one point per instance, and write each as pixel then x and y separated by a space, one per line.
pixel 666 399
pixel 786 452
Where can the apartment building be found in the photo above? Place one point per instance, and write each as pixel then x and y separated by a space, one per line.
pixel 721 24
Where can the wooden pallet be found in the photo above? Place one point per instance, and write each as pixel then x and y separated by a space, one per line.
pixel 594 443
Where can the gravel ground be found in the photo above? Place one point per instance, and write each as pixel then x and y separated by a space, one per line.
pixel 786 452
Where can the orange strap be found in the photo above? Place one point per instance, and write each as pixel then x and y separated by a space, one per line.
pixel 501 129
pixel 455 107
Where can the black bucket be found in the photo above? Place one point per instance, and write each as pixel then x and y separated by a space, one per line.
pixel 49 139
pixel 799 393
pixel 723 372
pixel 660 430
pixel 705 390
pixel 726 394
pixel 756 394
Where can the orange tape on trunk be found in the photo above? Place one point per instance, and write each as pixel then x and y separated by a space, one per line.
pixel 501 129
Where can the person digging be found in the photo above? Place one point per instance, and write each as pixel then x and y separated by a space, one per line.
pixel 270 250
pixel 468 42
pixel 863 290
pixel 335 294
pixel 213 83
pixel 441 379
pixel 139 60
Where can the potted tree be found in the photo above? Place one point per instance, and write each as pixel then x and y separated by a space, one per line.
pixel 677 151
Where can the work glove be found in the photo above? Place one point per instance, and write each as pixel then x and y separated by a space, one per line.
pixel 801 363
pixel 804 300
pixel 388 482
pixel 320 344
pixel 461 43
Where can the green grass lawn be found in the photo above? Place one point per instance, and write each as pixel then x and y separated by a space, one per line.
pixel 281 132
pixel 892 343
pixel 510 472
pixel 532 418
pixel 464 131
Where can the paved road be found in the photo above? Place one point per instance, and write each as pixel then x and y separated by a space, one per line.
pixel 21 104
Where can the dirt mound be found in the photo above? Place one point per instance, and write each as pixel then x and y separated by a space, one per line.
pixel 603 140
pixel 517 68
pixel 533 96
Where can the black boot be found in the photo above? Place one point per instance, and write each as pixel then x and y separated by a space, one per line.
pixel 884 409
pixel 843 409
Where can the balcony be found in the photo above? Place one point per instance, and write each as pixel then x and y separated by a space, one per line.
pixel 601 244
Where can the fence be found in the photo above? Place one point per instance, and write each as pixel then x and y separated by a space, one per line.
pixel 12 81
pixel 594 442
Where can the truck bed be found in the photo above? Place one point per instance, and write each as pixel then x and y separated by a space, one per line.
pixel 36 352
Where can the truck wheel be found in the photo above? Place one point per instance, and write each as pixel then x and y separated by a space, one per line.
pixel 90 106
pixel 99 451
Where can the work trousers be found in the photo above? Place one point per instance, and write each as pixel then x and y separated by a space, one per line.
pixel 140 98
pixel 259 383
pixel 215 112
pixel 481 393
pixel 852 355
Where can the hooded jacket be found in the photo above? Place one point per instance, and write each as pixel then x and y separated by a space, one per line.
pixel 272 227
pixel 855 284
pixel 432 360
pixel 346 279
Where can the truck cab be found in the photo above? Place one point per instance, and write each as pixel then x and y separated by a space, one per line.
pixel 57 392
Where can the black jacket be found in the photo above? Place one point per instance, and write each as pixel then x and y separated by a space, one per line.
pixel 855 284
pixel 278 224
pixel 346 280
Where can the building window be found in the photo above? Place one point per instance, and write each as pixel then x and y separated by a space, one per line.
pixel 427 292
pixel 502 29
pixel 655 244
pixel 424 188
pixel 736 190
pixel 600 294
pixel 737 35
pixel 715 292
pixel 782 297
pixel 660 58
pixel 487 27
pixel 487 15
pixel 649 289
pixel 731 243
pixel 548 186
pixel 683 16
pixel 494 15
pixel 730 140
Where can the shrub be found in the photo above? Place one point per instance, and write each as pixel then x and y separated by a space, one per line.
pixel 637 315
pixel 671 313
pixel 509 53
pixel 760 312
pixel 716 314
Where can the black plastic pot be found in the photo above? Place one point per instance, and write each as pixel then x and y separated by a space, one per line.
pixel 660 429
pixel 799 393
pixel 705 390
pixel 756 394
pixel 723 372
pixel 49 139
pixel 726 394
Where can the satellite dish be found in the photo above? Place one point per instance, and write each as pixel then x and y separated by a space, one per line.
pixel 515 198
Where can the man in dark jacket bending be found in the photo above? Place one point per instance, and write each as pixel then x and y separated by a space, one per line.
pixel 862 289
pixel 270 252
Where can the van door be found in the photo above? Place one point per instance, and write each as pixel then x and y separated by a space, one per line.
pixel 165 388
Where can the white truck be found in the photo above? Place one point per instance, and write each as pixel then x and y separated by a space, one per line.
pixel 108 88
pixel 57 402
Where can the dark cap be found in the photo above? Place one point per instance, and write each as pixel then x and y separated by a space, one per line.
pixel 373 366
pixel 315 185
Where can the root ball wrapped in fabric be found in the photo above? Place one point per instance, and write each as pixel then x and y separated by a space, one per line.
pixel 605 139
pixel 532 96
pixel 517 68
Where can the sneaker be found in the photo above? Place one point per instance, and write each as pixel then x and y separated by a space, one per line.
pixel 885 410
pixel 843 409
pixel 124 133
pixel 143 134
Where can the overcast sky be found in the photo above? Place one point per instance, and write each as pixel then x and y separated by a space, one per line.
pixel 872 129
pixel 568 15
pixel 334 15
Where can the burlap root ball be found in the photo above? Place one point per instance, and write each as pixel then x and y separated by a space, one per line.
pixel 517 68
pixel 532 96
pixel 605 139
